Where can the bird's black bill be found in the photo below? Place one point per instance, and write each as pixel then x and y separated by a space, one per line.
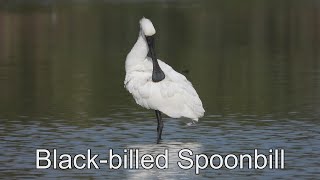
pixel 157 73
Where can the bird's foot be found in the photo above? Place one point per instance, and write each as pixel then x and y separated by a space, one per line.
pixel 159 139
pixel 192 123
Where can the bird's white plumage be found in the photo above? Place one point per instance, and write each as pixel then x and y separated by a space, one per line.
pixel 174 95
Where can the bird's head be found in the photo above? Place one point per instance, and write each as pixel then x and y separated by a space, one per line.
pixel 147 27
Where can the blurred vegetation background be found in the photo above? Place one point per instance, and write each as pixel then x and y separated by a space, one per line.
pixel 66 58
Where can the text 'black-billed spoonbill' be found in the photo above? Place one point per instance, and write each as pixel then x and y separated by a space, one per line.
pixel 155 85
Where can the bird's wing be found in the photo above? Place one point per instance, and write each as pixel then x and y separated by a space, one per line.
pixel 177 88
pixel 174 96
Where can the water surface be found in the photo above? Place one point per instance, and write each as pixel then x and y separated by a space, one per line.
pixel 254 64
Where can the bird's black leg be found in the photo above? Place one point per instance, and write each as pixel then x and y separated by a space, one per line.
pixel 158 121
pixel 160 126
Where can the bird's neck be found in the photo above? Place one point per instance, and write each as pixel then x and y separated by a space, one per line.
pixel 140 48
pixel 138 52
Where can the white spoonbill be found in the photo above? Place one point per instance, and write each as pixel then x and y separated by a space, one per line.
pixel 155 85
